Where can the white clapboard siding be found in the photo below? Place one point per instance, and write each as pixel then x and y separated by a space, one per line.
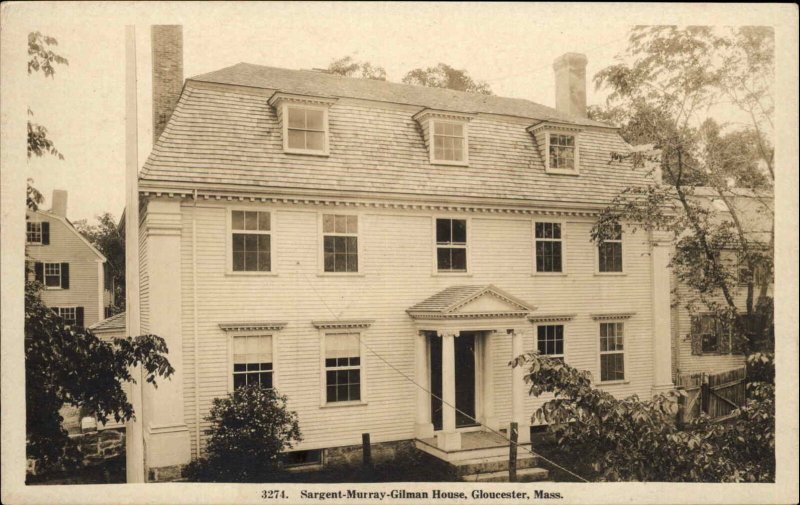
pixel 85 273
pixel 144 283
pixel 397 272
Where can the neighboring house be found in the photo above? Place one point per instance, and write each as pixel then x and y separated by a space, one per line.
pixel 358 244
pixel 700 342
pixel 71 270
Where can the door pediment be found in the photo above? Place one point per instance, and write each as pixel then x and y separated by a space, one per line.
pixel 471 302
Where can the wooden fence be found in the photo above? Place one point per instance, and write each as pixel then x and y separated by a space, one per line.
pixel 716 394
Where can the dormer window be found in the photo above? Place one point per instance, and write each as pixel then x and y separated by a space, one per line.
pixel 559 145
pixel 446 136
pixel 304 123
pixel 449 141
pixel 561 152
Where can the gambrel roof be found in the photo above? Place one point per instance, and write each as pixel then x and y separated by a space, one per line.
pixel 224 135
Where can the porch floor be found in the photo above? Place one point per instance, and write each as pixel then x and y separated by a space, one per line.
pixel 471 440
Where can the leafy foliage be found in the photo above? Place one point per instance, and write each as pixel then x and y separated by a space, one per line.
pixel 633 439
pixel 70 365
pixel 249 430
pixel 349 67
pixel 107 237
pixel 661 93
pixel 445 76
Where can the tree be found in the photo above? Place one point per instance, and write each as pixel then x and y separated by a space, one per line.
pixel 445 76
pixel 349 67
pixel 661 93
pixel 248 431
pixel 70 365
pixel 107 237
pixel 630 439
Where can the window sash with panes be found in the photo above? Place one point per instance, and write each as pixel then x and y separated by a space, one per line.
pixel 251 241
pixel 342 368
pixel 451 245
pixel 610 252
pixel 550 340
pixel 708 331
pixel 68 314
pixel 340 243
pixel 52 275
pixel 252 360
pixel 757 276
pixel 612 352
pixel 548 247
pixel 34 233
pixel 306 129
pixel 448 141
pixel 562 152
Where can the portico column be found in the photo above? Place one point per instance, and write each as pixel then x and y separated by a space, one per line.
pixel 518 414
pixel 662 318
pixel 424 426
pixel 489 414
pixel 448 439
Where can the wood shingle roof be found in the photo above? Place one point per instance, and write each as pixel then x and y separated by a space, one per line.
pixel 224 135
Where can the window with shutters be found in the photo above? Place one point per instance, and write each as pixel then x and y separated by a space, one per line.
pixel 52 275
pixel 340 243
pixel 549 247
pixel 252 360
pixel 609 253
pixel 451 245
pixel 72 316
pixel 550 340
pixel 758 276
pixel 251 241
pixel 612 351
pixel 34 236
pixel 343 381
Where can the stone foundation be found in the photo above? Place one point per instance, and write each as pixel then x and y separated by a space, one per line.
pixel 165 473
pixel 352 454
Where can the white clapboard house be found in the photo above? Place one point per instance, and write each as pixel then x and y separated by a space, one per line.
pixel 359 244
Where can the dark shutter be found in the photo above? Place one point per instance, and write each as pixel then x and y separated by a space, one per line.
pixel 45 233
pixel 65 276
pixel 697 339
pixel 79 317
pixel 723 330
pixel 38 269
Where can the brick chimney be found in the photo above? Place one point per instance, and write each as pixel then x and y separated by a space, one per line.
pixel 167 43
pixel 59 203
pixel 570 72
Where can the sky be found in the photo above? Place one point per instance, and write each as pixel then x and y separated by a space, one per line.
pixel 510 46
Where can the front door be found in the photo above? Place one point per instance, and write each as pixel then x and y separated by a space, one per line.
pixel 464 378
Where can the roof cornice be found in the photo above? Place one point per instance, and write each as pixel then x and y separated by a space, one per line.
pixel 252 326
pixel 342 324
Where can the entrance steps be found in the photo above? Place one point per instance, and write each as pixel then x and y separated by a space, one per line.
pixel 487 461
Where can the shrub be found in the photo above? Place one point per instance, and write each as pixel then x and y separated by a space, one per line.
pixel 631 439
pixel 249 430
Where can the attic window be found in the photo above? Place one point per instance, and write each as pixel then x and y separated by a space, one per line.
pixel 304 123
pixel 559 146
pixel 446 135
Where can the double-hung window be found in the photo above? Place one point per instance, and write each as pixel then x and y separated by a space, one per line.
pixel 549 249
pixel 612 351
pixel 251 241
pixel 340 243
pixel 252 360
pixel 34 232
pixel 68 314
pixel 52 275
pixel 562 152
pixel 306 129
pixel 342 367
pixel 449 141
pixel 451 245
pixel 550 340
pixel 609 253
